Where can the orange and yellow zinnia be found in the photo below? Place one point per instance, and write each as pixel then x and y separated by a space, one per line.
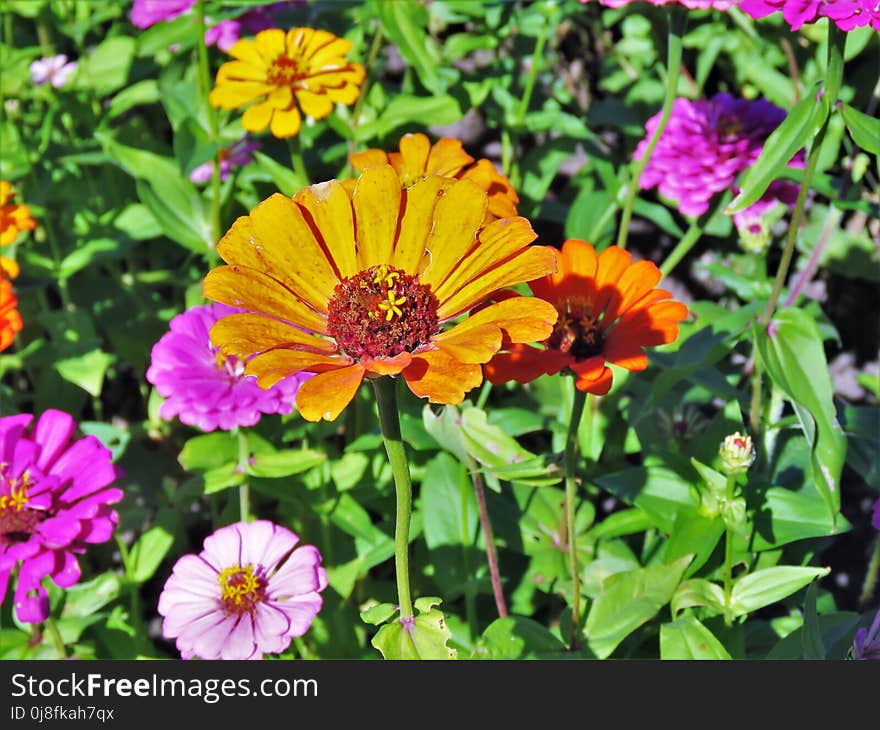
pixel 13 218
pixel 609 311
pixel 286 75
pixel 418 158
pixel 371 284
pixel 10 319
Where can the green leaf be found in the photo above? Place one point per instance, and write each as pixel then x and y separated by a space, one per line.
pixel 87 370
pixel 285 179
pixel 106 68
pixel 814 648
pixel 408 109
pixel 697 592
pixel 208 451
pixel 687 638
pixel 142 92
pixel 89 253
pixel 767 586
pixel 864 130
pixel 517 637
pixel 448 503
pixel 794 357
pixel 284 463
pixel 786 516
pixel 378 614
pixel 836 631
pixel 84 599
pixel 425 638
pixel 147 553
pixel 796 131
pixel 446 430
pixel 629 600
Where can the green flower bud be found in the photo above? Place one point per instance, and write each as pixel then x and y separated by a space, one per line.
pixel 737 454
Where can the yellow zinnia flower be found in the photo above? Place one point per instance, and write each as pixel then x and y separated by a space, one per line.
pixel 370 284
pixel 303 70
pixel 13 218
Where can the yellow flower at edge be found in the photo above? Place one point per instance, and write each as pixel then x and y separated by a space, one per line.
pixel 285 75
pixel 387 281
pixel 13 218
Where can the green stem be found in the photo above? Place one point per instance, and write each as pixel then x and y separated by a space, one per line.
pixel 870 576
pixel 55 635
pixel 486 526
pixel 484 394
pixel 298 163
pixel 569 465
pixel 244 491
pixel 205 91
pixel 523 108
pixel 389 419
pixel 728 558
pixel 677 23
pixel 682 248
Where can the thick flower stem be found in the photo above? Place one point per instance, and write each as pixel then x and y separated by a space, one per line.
pixel 389 419
pixel 677 22
pixel 486 526
pixel 682 248
pixel 298 163
pixel 870 576
pixel 244 491
pixel 205 89
pixel 55 635
pixel 728 558
pixel 570 463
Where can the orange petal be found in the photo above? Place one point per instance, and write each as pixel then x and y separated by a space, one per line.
pixel 246 334
pixel 593 376
pixel 376 207
pixel 613 262
pixel 328 211
pixel 387 365
pixel 240 286
pixel 326 395
pixel 284 246
pixel 529 264
pixel 418 217
pixel 440 378
pixel 368 158
pixel 414 149
pixel 457 218
pixel 524 363
pixel 447 158
pixel 502 197
pixel 275 365
pixel 499 240
pixel 636 282
pixel 520 319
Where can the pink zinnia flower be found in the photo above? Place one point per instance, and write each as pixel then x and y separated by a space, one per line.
pixel 227 32
pixel 848 14
pixel 867 641
pixel 204 388
pixel 145 13
pixel 875 520
pixel 248 593
pixel 53 69
pixel 54 503
pixel 237 155
pixel 705 145
pixel 690 4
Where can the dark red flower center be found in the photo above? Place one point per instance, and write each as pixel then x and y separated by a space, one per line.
pixel 381 312
pixel 576 333
pixel 285 71
pixel 241 589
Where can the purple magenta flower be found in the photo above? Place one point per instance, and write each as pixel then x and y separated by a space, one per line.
pixel 848 14
pixel 705 145
pixel 248 593
pixel 875 519
pixel 866 644
pixel 145 13
pixel 54 502
pixel 238 155
pixel 204 388
pixel 53 69
pixel 690 4
pixel 227 32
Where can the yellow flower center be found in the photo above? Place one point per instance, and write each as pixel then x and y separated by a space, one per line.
pixel 17 520
pixel 576 332
pixel 241 589
pixel 285 71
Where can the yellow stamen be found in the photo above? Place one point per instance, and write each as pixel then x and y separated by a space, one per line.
pixel 391 307
pixel 237 583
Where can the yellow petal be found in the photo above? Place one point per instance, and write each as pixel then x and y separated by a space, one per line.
pixel 314 105
pixel 376 207
pixel 418 217
pixel 256 117
pixel 284 246
pixel 326 395
pixel 414 148
pixel 297 40
pixel 234 94
pixel 240 286
pixel 349 93
pixel 326 49
pixel 368 158
pixel 241 71
pixel 520 319
pixel 270 44
pixel 447 158
pixel 246 334
pixel 248 51
pixel 275 365
pixel 328 207
pixel 440 378
pixel 534 262
pixel 285 123
pixel 457 218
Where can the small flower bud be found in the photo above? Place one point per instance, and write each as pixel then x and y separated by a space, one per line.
pixel 737 454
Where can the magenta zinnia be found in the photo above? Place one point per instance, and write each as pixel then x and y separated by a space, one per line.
pixel 705 146
pixel 248 593
pixel 848 14
pixel 54 502
pixel 205 388
pixel 690 4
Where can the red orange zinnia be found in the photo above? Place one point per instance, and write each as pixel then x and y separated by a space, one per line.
pixel 13 218
pixel 418 158
pixel 10 319
pixel 368 285
pixel 609 311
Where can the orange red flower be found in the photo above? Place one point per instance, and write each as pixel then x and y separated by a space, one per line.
pixel 609 311
pixel 370 284
pixel 10 319
pixel 418 158
pixel 286 75
pixel 13 218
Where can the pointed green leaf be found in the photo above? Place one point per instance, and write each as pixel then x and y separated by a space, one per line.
pixel 767 586
pixel 687 638
pixel 864 130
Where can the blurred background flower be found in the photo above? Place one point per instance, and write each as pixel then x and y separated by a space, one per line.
pixel 55 70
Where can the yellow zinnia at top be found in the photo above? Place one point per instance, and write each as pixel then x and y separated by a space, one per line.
pixel 303 71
